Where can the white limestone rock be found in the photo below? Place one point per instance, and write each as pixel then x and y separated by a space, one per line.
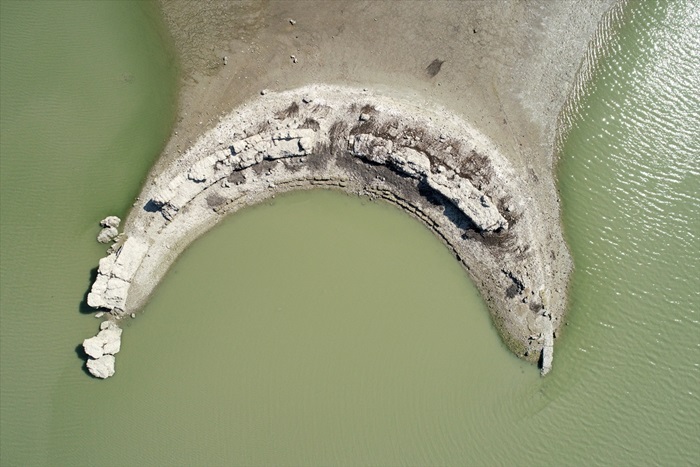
pixel 186 191
pixel 106 342
pixel 93 347
pixel 116 293
pixel 203 169
pixel 166 194
pixel 111 287
pixel 372 148
pixel 239 146
pixel 129 258
pixel 548 347
pixel 108 292
pixel 111 221
pixel 411 162
pixel 106 264
pixel 107 234
pixel 99 287
pixel 291 143
pixel 283 148
pixel 102 367
pixel 472 202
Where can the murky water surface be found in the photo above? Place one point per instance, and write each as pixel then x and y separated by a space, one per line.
pixel 323 329
pixel 87 92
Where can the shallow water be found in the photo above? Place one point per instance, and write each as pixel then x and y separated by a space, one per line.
pixel 87 93
pixel 319 329
pixel 309 331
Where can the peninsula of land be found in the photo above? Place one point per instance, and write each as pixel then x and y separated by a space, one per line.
pixel 454 123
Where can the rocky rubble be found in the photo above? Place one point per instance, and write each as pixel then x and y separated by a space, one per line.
pixel 101 349
pixel 109 231
pixel 107 234
pixel 114 275
pixel 245 153
pixel 475 204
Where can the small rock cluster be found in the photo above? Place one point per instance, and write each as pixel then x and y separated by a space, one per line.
pixel 109 231
pixel 101 349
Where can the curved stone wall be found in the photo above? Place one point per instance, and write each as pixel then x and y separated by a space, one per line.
pixel 426 161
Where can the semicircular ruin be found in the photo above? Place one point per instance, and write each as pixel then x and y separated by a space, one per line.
pixel 428 162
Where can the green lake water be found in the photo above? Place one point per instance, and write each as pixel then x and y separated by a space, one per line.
pixel 323 329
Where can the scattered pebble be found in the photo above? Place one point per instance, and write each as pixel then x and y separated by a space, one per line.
pixel 294 58
pixel 292 22
pixel 263 92
pixel 133 315
pixel 99 314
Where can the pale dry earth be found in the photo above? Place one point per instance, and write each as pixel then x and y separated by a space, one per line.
pixel 503 69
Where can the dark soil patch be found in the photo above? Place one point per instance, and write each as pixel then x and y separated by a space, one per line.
pixel 434 68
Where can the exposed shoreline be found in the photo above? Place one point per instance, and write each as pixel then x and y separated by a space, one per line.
pixel 522 270
pixel 426 161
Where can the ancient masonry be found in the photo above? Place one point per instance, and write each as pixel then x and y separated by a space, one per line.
pixel 427 162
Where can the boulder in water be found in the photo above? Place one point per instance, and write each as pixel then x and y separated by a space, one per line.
pixel 111 221
pixel 107 234
pixel 102 367
pixel 106 342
